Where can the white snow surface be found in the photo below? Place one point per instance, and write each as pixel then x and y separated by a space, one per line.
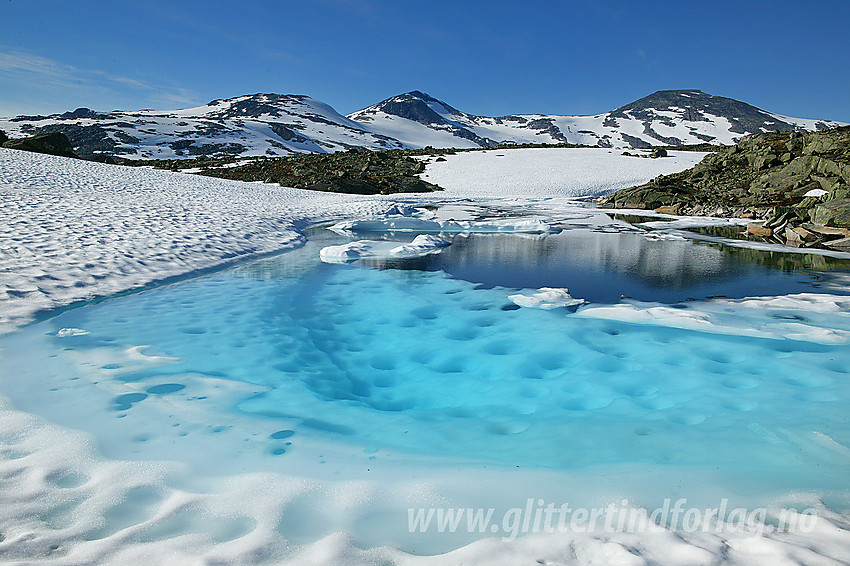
pixel 546 298
pixel 550 172
pixel 609 129
pixel 75 230
pixel 718 317
pixel 423 244
pixel 287 124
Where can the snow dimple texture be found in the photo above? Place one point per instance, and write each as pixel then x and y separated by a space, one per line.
pixel 75 230
pixel 351 376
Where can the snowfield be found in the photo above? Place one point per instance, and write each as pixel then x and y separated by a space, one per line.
pixel 550 172
pixel 75 231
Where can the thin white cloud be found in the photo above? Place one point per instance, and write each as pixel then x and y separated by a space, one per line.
pixel 48 79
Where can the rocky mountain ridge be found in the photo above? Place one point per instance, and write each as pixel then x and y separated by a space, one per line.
pixel 667 117
pixel 281 125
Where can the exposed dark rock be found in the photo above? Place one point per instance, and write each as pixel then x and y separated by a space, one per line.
pixel 636 143
pixel 697 104
pixel 54 144
pixel 765 176
pixel 287 134
pixel 357 171
pixel 89 141
pixel 832 213
pixel 81 113
pixel 3 137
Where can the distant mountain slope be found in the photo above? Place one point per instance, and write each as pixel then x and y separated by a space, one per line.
pixel 667 117
pixel 260 124
pixel 279 125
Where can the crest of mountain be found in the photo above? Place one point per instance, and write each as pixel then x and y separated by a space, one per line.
pixel 667 117
pixel 280 125
pixel 246 126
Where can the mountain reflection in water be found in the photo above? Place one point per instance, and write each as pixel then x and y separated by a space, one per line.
pixel 604 266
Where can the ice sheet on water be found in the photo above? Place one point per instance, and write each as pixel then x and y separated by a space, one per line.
pixel 423 226
pixel 423 244
pixel 779 318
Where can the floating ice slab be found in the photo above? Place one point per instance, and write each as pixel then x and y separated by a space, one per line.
pixel 684 222
pixel 407 224
pixel 546 298
pixel 777 318
pixel 423 244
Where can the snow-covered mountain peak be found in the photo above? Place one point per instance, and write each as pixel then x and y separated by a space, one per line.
pixel 694 109
pixel 244 126
pixel 283 124
pixel 666 117
pixel 414 105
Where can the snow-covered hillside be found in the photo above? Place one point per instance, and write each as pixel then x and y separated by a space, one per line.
pixel 246 126
pixel 671 117
pixel 280 125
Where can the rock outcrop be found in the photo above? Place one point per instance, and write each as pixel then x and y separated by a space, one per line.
pixel 355 171
pixel 55 143
pixel 798 183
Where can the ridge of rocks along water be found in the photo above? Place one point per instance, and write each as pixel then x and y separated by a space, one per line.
pixel 794 185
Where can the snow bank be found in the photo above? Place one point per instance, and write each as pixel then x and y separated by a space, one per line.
pixel 546 298
pixel 574 172
pixel 63 503
pixel 423 244
pixel 75 230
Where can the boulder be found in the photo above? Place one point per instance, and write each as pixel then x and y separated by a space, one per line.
pixel 842 245
pixel 759 229
pixel 3 137
pixel 674 210
pixel 827 230
pixel 55 143
pixel 832 213
pixel 804 234
pixel 792 238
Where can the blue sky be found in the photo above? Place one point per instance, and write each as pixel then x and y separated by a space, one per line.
pixel 483 57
